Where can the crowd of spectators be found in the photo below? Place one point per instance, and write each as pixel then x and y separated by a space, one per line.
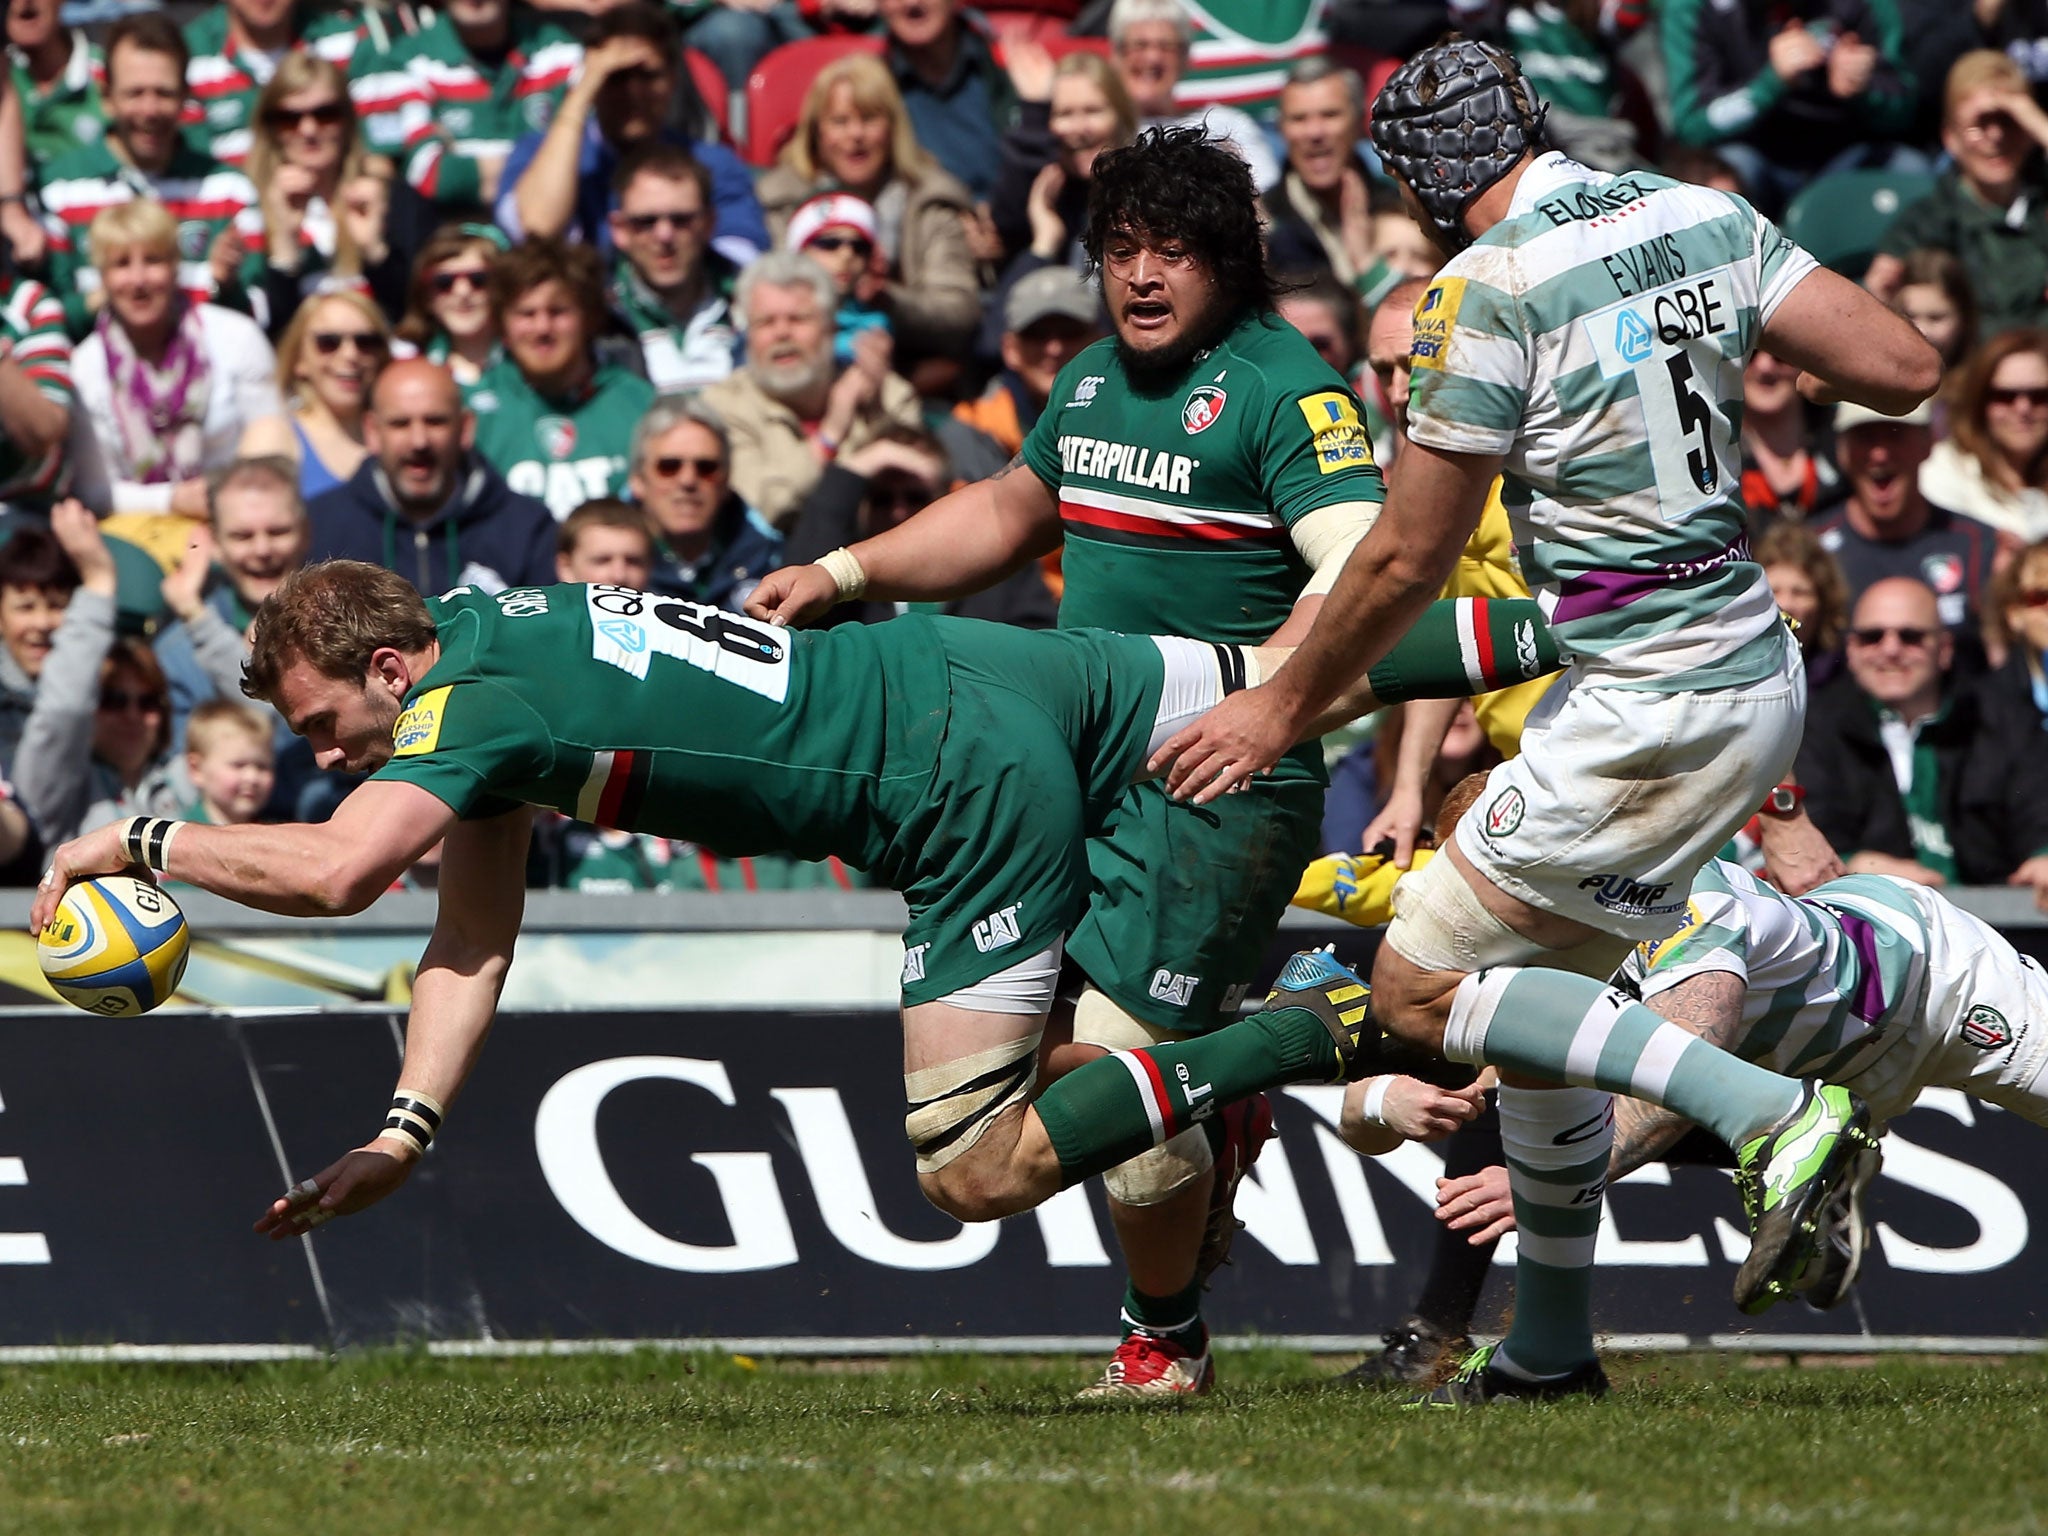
pixel 503 292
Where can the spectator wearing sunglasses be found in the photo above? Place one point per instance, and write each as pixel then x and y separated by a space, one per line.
pixel 324 214
pixel 1994 465
pixel 166 386
pixel 448 317
pixel 2017 626
pixel 1916 773
pixel 710 546
pixel 838 231
pixel 98 741
pixel 1889 528
pixel 329 358
pixel 670 290
pixel 424 503
pixel 237 47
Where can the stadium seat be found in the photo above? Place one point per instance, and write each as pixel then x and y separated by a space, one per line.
pixel 775 90
pixel 1842 218
pixel 1015 21
pixel 1059 45
pixel 1371 67
pixel 711 85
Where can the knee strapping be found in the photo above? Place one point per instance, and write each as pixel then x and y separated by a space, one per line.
pixel 1154 1176
pixel 953 1104
pixel 1440 924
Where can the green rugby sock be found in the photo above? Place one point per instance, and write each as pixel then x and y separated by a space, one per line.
pixel 1571 1029
pixel 1113 1108
pixel 1557 1142
pixel 1176 1318
pixel 1467 645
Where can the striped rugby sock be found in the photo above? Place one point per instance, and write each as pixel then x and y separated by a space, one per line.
pixel 1553 1024
pixel 1467 645
pixel 1113 1108
pixel 1557 1141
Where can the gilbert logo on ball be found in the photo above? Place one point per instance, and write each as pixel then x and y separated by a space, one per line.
pixel 115 947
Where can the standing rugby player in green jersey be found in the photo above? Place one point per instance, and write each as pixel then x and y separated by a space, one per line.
pixel 1204 473
pixel 964 764
pixel 1587 342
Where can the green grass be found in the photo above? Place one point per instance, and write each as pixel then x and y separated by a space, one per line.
pixel 403 1445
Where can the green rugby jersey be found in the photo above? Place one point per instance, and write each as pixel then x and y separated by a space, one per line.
pixel 32 323
pixel 1176 500
pixel 565 452
pixel 225 78
pixel 1596 338
pixel 651 714
pixel 69 112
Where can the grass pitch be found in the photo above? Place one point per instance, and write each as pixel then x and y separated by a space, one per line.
pixel 654 1442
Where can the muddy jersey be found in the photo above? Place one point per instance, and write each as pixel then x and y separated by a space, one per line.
pixel 1176 500
pixel 651 714
pixel 1857 982
pixel 1596 338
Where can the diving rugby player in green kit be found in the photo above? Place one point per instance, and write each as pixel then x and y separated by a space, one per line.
pixel 964 764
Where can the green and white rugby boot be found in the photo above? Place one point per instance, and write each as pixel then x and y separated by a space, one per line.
pixel 1787 1177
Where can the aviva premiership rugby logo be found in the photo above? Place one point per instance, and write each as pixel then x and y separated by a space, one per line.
pixel 1505 814
pixel 556 436
pixel 1203 406
pixel 1985 1028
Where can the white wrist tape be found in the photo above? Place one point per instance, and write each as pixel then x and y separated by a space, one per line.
pixel 846 572
pixel 147 840
pixel 1371 1108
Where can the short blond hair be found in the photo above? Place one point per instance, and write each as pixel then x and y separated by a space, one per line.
pixel 140 221
pixel 1981 69
pixel 218 720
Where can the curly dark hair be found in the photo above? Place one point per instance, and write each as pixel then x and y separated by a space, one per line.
pixel 1181 184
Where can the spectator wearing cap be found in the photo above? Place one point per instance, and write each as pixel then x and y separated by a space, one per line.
pixel 632 92
pixel 1991 207
pixel 854 135
pixel 838 231
pixel 790 409
pixel 1993 466
pixel 1048 317
pixel 1888 528
pixel 670 289
pixel 1914 772
pixel 710 547
pixel 1150 40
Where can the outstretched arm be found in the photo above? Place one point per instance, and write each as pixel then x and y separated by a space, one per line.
pixel 334 867
pixel 454 1000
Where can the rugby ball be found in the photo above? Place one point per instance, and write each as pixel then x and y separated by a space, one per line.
pixel 115 947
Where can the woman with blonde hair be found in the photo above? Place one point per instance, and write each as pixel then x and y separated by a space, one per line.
pixel 2016 627
pixel 854 135
pixel 1040 200
pixel 166 386
pixel 323 213
pixel 1993 467
pixel 329 359
pixel 448 317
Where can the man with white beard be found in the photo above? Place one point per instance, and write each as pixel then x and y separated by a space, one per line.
pixel 791 408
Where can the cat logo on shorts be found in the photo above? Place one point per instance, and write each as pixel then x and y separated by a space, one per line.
pixel 1505 814
pixel 1985 1028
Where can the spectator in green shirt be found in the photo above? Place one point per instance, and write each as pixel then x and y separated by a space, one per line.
pixel 1992 208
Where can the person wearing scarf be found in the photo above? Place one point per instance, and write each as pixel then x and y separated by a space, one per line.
pixel 166 386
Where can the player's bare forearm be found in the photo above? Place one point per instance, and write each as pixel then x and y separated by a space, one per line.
pixel 1642 1134
pixel 1851 346
pixel 335 867
pixel 1433 505
pixel 963 542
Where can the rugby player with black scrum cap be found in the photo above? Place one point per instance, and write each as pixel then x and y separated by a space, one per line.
pixel 1586 341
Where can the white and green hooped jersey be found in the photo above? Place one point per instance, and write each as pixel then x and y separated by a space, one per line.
pixel 1596 336
pixel 1861 970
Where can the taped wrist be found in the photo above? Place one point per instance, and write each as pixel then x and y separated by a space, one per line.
pixel 414 1117
pixel 147 840
pixel 846 572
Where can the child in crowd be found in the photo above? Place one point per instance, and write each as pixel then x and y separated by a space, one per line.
pixel 605 540
pixel 228 754
pixel 840 233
